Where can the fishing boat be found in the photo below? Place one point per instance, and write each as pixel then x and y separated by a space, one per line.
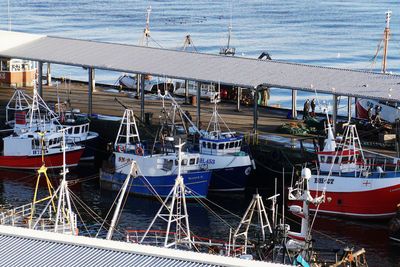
pixel 356 182
pixel 31 114
pixel 389 109
pixel 221 151
pixel 157 171
pixel 35 143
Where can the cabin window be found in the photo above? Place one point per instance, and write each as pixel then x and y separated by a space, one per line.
pixel 208 145
pixel 192 161
pixel 50 142
pixel 231 144
pixel 197 160
pixel 226 145
pixel 76 130
pixel 240 143
pixel 322 158
pixel 176 162
pixel 329 159
pixel 336 159
pixel 70 130
pixel 214 146
pixel 87 128
pixel 345 159
pixel 203 144
pixel 184 162
pixel 37 143
pixel 4 66
pixel 221 146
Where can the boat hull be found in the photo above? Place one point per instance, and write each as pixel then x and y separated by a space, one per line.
pixel 229 179
pixel 197 182
pixel 35 162
pixel 229 171
pixel 361 197
pixel 388 113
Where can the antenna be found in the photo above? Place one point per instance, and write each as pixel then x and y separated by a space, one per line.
pixel 9 15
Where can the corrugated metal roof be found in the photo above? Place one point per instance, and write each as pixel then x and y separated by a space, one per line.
pixel 238 71
pixel 25 247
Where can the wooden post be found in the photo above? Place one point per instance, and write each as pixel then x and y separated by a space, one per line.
pixel 239 97
pixel 142 97
pixel 334 114
pixel 48 76
pixel 91 89
pixel 40 79
pixel 198 104
pixel 255 114
pixel 349 108
pixel 186 91
pixel 294 107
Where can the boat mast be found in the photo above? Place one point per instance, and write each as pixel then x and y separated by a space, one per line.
pixel 146 32
pixel 387 35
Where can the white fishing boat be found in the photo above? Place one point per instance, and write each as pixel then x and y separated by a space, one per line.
pixel 355 185
pixel 26 114
pixel 38 141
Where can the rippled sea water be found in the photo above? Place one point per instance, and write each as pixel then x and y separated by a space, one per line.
pixel 342 34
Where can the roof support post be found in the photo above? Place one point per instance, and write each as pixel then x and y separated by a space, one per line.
pixel 186 91
pixel 349 108
pixel 91 89
pixel 142 97
pixel 138 77
pixel 40 79
pixel 198 105
pixel 255 114
pixel 239 97
pixel 48 76
pixel 334 114
pixel 294 107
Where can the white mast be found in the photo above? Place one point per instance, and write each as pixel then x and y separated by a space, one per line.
pixel 64 216
pixel 121 197
pixel 177 212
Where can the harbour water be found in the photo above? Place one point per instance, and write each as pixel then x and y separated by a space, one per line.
pixel 341 34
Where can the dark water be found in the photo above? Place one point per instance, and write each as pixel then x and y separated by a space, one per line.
pixel 16 188
pixel 342 34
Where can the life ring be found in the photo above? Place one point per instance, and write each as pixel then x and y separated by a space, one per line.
pixel 121 148
pixel 139 151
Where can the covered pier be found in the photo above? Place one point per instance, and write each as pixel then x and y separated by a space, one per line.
pixel 240 72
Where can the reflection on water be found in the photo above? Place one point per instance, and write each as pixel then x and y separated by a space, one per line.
pixel 17 188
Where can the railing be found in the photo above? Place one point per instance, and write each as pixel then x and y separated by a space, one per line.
pixel 157 238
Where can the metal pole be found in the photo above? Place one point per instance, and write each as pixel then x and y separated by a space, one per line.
pixel 142 97
pixel 91 89
pixel 294 107
pixel 239 97
pixel 186 91
pixel 138 77
pixel 334 114
pixel 198 105
pixel 48 77
pixel 255 115
pixel 40 78
pixel 349 108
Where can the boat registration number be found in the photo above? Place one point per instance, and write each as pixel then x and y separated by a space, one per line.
pixel 323 180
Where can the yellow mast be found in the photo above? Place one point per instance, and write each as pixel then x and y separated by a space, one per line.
pixel 387 35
